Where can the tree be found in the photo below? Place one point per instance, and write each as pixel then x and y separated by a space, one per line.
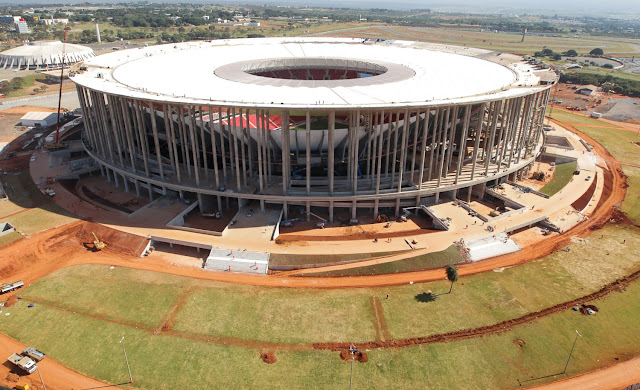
pixel 547 52
pixel 557 57
pixel 571 53
pixel 596 52
pixel 452 275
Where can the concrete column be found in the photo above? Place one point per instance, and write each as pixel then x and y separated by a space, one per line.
pixel 423 152
pixel 330 211
pixel 403 151
pixel 395 146
pixel 379 153
pixel 286 147
pixel 331 167
pixel 203 144
pixel 462 147
pixel 259 147
pixel 194 148
pixel 308 153
pixel 174 142
pixel 126 116
pixel 308 211
pixel 434 140
pixel 233 130
pixel 477 140
pixel 137 186
pixel 242 140
pixel 214 148
pixel 156 142
pixel 356 152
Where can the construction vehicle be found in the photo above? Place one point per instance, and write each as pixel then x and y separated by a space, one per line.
pixel 8 287
pixel 25 363
pixel 322 223
pixel 383 218
pixel 33 354
pixel 99 245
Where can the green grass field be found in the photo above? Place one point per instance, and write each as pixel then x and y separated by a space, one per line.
pixel 301 259
pixel 23 194
pixel 562 175
pixel 219 311
pixel 631 204
pixel 426 261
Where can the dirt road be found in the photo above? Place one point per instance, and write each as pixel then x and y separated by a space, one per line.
pixel 610 378
pixel 55 375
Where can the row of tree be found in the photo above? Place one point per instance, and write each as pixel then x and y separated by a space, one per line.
pixel 608 82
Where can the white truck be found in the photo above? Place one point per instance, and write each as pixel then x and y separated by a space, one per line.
pixel 33 354
pixel 8 287
pixel 25 363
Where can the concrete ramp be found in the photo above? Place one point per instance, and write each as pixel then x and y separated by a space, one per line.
pixel 237 261
pixel 495 245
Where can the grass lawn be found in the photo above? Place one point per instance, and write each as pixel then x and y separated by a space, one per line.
pixel 30 82
pixel 23 194
pixel 9 238
pixel 618 142
pixel 300 259
pixel 138 298
pixel 562 175
pixel 277 315
pixel 281 315
pixel 631 203
pixel 426 261
pixel 91 346
pixel 569 117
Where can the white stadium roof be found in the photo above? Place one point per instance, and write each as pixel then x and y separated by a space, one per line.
pixel 44 54
pixel 215 73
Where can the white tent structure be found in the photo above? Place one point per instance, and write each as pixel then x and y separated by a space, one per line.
pixel 43 55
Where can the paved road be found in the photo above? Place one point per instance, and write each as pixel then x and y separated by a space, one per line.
pixel 69 101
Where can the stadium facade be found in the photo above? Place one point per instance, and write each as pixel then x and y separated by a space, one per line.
pixel 322 122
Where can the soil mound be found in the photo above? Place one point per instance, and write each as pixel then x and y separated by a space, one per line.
pixel 361 357
pixel 116 240
pixel 585 309
pixel 268 357
pixel 167 326
pixel 12 300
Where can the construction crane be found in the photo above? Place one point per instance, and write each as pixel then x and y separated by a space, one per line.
pixel 99 245
pixel 57 145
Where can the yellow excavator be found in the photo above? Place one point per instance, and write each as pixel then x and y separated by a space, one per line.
pixel 99 245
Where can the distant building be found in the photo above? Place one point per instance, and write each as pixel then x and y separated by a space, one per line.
pixel 39 119
pixel 6 19
pixel 587 90
pixel 22 27
pixel 253 24
pixel 54 21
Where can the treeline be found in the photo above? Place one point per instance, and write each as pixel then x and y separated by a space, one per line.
pixel 620 85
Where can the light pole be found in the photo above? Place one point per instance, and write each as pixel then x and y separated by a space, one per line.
pixel 352 350
pixel 126 359
pixel 41 381
pixel 570 353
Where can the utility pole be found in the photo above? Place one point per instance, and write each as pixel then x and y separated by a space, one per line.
pixel 570 353
pixel 352 350
pixel 126 359
pixel 41 381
